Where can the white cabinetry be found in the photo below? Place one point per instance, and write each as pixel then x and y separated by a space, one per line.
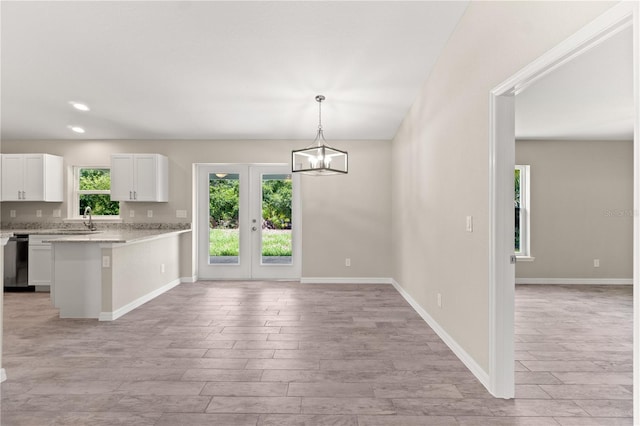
pixel 40 260
pixel 139 177
pixel 32 177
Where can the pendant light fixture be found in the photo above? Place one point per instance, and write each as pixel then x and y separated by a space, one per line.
pixel 319 159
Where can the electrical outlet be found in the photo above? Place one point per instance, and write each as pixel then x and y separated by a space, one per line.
pixel 149 213
pixel 439 300
pixel 596 263
pixel 469 223
pixel 106 261
pixel 181 213
pixel 162 268
pixel 57 213
pixel 347 261
pixel 38 213
pixel 12 213
pixel 132 213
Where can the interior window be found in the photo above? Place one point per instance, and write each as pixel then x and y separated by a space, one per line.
pixel 521 204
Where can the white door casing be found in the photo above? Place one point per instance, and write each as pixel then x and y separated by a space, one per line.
pixel 501 163
pixel 249 264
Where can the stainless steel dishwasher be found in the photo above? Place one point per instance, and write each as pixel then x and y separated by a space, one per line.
pixel 16 264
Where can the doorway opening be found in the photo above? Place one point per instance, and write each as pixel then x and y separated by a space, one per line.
pixel 501 166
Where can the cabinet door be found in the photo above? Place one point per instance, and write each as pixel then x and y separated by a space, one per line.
pixel 33 177
pixel 122 177
pixel 40 264
pixel 12 177
pixel 145 185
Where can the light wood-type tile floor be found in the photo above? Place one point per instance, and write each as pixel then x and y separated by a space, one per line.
pixel 280 354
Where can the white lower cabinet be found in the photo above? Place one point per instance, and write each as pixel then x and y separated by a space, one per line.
pixel 40 260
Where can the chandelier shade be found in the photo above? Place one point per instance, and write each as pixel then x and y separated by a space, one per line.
pixel 319 159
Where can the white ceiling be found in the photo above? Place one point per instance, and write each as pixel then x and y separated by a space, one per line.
pixel 251 70
pixel 216 70
pixel 589 98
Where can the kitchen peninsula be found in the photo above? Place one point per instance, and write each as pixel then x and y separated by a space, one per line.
pixel 106 274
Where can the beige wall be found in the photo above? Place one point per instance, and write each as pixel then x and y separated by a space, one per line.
pixel 133 280
pixel 440 160
pixel 343 216
pixel 581 208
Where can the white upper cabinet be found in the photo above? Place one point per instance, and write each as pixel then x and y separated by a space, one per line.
pixel 32 177
pixel 139 177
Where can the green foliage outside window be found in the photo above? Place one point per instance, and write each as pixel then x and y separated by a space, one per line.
pixel 101 204
pixel 224 209
pixel 276 203
pixel 224 198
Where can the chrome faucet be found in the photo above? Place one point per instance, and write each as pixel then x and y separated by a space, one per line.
pixel 90 225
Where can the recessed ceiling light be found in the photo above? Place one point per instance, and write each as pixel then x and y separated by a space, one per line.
pixel 79 106
pixel 76 129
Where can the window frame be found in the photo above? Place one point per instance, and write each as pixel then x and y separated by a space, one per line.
pixel 525 213
pixel 77 192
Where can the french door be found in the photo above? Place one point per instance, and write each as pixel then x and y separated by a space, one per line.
pixel 248 222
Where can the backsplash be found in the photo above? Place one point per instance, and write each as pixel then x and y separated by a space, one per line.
pixel 101 226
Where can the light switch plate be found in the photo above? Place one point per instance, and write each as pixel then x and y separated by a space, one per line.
pixel 12 213
pixel 106 261
pixel 57 213
pixel 132 213
pixel 38 213
pixel 149 213
pixel 469 223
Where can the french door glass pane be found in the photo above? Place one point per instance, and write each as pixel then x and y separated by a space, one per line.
pixel 276 247
pixel 224 223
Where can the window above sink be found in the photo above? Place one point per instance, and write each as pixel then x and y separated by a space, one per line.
pixel 92 188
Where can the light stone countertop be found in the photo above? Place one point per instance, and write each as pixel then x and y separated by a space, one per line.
pixel 114 236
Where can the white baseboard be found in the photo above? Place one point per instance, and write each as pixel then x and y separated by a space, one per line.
pixel 110 316
pixel 3 375
pixel 191 279
pixel 576 281
pixel 466 359
pixel 338 280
